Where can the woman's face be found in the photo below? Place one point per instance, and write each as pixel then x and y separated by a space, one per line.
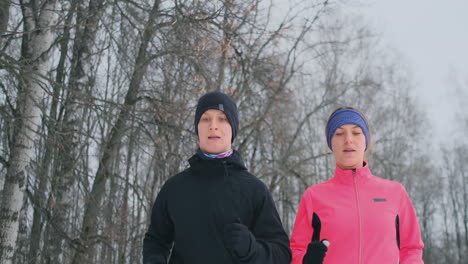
pixel 349 145
pixel 214 132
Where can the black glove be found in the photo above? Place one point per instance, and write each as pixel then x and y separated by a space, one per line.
pixel 238 240
pixel 154 260
pixel 315 254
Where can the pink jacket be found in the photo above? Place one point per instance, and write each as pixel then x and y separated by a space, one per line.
pixel 367 220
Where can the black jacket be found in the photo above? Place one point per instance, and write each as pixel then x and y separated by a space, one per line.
pixel 194 206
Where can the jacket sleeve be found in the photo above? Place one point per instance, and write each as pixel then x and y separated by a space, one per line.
pixel 302 231
pixel 160 235
pixel 411 244
pixel 272 242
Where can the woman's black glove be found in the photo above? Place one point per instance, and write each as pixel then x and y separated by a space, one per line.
pixel 316 251
pixel 238 240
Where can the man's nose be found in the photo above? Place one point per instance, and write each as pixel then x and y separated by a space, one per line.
pixel 213 125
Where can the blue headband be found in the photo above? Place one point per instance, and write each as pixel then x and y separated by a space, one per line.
pixel 345 117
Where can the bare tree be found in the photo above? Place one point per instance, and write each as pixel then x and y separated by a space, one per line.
pixel 89 229
pixel 36 51
pixel 121 90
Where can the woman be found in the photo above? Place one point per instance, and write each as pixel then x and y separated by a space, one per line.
pixel 215 211
pixel 362 218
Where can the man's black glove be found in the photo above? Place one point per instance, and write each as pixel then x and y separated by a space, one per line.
pixel 316 251
pixel 238 240
pixel 154 260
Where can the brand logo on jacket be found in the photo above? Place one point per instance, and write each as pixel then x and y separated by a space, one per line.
pixel 379 200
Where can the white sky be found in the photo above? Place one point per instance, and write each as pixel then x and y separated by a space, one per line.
pixel 432 35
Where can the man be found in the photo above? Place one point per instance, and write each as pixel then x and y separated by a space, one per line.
pixel 215 211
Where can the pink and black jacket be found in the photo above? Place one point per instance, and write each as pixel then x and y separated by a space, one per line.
pixel 367 219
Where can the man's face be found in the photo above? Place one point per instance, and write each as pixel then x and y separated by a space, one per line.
pixel 214 132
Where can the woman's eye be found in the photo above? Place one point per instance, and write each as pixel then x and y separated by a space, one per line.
pixel 357 133
pixel 338 134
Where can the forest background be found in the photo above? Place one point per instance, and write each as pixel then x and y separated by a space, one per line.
pixel 96 112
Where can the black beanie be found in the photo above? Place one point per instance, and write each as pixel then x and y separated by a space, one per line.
pixel 219 101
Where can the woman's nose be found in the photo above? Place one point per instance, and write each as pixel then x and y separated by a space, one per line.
pixel 348 138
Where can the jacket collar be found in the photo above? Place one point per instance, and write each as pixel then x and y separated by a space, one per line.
pixel 234 160
pixel 362 174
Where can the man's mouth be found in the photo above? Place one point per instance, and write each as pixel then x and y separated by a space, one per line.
pixel 348 150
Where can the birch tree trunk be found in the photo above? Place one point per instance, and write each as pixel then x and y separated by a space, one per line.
pixel 81 82
pixel 225 45
pixel 50 148
pixel 93 205
pixel 36 52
